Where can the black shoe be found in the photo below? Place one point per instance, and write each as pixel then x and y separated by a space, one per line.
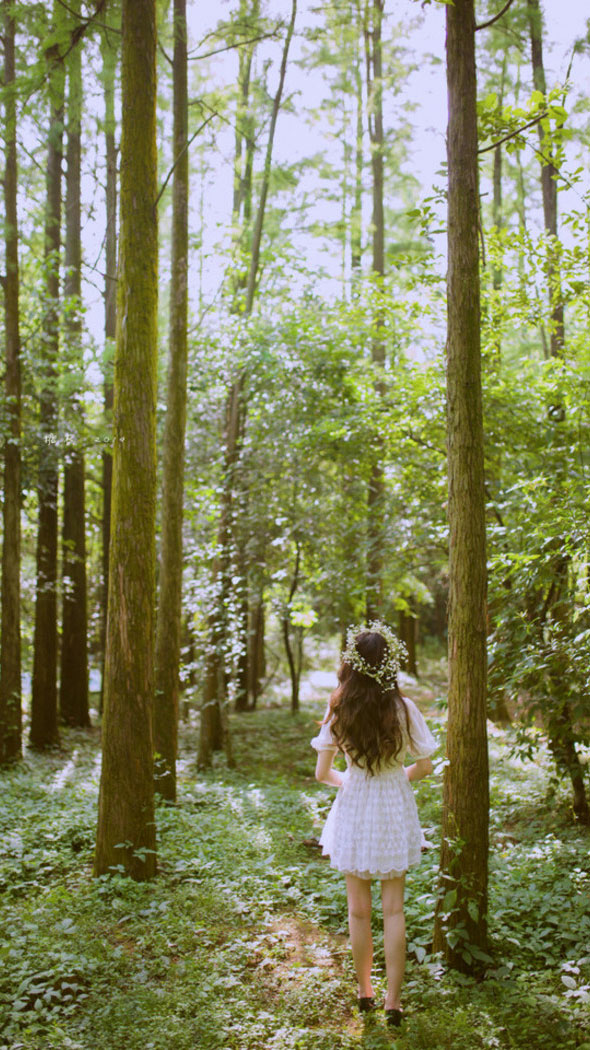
pixel 366 1004
pixel 394 1017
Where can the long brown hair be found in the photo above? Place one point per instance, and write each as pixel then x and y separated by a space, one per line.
pixel 365 715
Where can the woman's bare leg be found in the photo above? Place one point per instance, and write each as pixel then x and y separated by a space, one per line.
pixel 394 936
pixel 358 892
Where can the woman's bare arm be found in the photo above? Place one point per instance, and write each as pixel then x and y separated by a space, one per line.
pixel 421 768
pixel 324 771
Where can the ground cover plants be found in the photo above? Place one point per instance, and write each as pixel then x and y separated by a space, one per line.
pixel 240 942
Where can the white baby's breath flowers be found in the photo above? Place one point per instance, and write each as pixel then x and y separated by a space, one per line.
pixel 386 672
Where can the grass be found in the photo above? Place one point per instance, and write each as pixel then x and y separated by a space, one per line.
pixel 241 940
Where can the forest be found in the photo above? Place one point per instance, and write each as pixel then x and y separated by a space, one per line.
pixel 296 302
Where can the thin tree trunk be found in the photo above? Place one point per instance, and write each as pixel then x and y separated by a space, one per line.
pixel 293 658
pixel 126 830
pixel 243 601
pixel 407 631
pixel 498 221
pixel 235 422
pixel 256 662
pixel 73 695
pixel 376 489
pixel 211 737
pixel 461 914
pixel 548 186
pixel 561 729
pixel 10 645
pixel 169 623
pixel 109 46
pixel 498 710
pixel 44 727
pixel 356 215
pixel 242 223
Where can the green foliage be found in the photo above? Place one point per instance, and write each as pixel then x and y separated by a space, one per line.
pixel 240 942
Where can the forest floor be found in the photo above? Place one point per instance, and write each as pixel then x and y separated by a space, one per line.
pixel 240 943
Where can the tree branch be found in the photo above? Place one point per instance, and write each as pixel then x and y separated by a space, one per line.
pixel 239 43
pixel 80 17
pixel 182 152
pixel 490 22
pixel 513 134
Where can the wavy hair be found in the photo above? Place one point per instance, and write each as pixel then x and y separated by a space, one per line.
pixel 365 718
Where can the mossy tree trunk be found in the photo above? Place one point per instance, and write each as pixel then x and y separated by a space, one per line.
pixel 44 726
pixel 168 632
pixel 126 829
pixel 110 52
pixel 73 694
pixel 461 914
pixel 10 645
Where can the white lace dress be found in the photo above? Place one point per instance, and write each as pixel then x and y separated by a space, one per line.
pixel 372 829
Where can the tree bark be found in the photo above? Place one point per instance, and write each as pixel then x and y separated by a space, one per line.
pixel 461 914
pixel 168 631
pixel 44 726
pixel 109 46
pixel 73 695
pixel 126 830
pixel 10 644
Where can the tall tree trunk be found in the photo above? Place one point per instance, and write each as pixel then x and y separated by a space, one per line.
pixel 561 729
pixel 235 422
pixel 356 215
pixel 73 695
pixel 10 645
pixel 548 186
pixel 109 46
pixel 376 490
pixel 242 223
pixel 44 727
pixel 498 221
pixel 126 830
pixel 168 631
pixel 461 915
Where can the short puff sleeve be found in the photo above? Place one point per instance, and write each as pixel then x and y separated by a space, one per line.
pixel 324 741
pixel 422 743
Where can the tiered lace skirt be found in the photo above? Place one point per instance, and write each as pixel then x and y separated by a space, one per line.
pixel 372 829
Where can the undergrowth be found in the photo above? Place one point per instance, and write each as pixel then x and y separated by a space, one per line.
pixel 240 942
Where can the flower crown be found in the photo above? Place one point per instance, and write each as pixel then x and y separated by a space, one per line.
pixel 386 672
